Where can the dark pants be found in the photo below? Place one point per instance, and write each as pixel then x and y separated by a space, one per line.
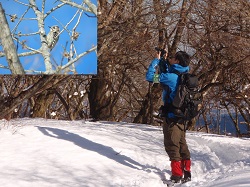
pixel 175 141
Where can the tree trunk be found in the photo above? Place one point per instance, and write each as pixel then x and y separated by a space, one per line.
pixel 9 46
pixel 45 82
pixel 149 105
pixel 99 98
pixel 42 102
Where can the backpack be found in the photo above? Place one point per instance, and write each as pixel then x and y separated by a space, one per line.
pixel 187 101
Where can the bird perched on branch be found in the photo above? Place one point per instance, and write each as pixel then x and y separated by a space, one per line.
pixel 53 36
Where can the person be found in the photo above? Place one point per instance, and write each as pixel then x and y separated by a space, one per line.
pixel 173 127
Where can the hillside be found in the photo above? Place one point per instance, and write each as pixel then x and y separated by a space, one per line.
pixel 51 153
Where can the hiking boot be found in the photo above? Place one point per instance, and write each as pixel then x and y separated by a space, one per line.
pixel 187 176
pixel 175 179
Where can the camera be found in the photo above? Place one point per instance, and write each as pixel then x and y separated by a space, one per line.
pixel 163 51
pixel 164 63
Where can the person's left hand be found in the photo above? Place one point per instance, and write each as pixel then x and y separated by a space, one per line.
pixel 158 55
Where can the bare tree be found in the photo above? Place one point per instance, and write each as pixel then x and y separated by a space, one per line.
pixel 70 53
pixel 23 88
pixel 175 16
pixel 121 38
pixel 67 100
pixel 24 96
pixel 218 33
pixel 214 33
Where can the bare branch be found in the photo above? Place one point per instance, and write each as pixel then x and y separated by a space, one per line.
pixel 44 49
pixel 43 5
pixel 65 27
pixel 21 18
pixel 29 34
pixel 22 3
pixel 53 9
pixel 23 54
pixel 5 67
pixel 72 47
pixel 92 8
pixel 75 59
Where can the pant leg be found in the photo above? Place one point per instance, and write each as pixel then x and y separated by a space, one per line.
pixel 184 151
pixel 172 137
pixel 185 154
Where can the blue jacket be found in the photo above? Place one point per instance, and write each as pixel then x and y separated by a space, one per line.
pixel 152 69
pixel 169 79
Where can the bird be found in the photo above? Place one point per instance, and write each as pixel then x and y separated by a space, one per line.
pixel 53 36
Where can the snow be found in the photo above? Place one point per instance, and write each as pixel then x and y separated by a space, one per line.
pixel 52 153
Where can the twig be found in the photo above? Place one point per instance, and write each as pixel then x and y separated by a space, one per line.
pixel 28 53
pixel 21 18
pixel 65 27
pixel 77 58
pixel 93 8
pixel 5 67
pixel 64 52
pixel 30 34
pixel 22 3
pixel 43 6
pixel 31 49
pixel 53 9
pixel 72 46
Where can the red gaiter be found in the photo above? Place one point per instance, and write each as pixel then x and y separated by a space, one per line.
pixel 176 168
pixel 186 165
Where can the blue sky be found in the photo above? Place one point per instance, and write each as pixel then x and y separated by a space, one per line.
pixel 87 39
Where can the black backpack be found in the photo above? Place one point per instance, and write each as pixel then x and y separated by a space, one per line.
pixel 187 101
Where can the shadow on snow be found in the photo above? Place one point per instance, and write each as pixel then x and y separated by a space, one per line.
pixel 103 150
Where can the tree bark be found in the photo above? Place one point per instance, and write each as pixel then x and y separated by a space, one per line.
pixel 9 46
pixel 42 102
pixel 99 98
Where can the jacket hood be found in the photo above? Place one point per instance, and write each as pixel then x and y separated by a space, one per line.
pixel 179 68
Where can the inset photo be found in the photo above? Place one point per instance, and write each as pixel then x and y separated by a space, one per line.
pixel 48 37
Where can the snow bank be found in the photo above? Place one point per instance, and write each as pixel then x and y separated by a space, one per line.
pixel 39 152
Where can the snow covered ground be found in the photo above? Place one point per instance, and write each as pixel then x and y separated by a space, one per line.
pixel 51 153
